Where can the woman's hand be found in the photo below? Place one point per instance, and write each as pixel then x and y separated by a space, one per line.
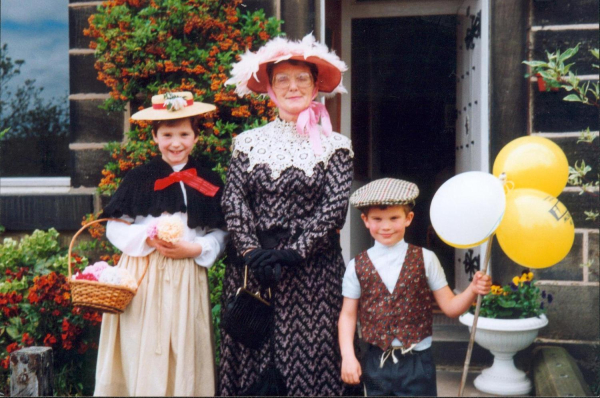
pixel 351 370
pixel 181 249
pixel 481 284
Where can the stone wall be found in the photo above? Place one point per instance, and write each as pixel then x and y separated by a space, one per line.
pixel 559 25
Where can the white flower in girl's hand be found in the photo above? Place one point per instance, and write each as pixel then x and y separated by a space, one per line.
pixel 170 229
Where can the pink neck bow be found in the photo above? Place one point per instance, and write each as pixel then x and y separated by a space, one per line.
pixel 308 119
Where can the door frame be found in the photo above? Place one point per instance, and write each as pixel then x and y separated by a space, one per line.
pixel 351 9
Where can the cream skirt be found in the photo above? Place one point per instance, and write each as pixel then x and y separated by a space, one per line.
pixel 162 345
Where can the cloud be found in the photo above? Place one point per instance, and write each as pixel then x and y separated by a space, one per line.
pixel 31 11
pixel 37 32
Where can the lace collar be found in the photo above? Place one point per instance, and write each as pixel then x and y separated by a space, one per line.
pixel 279 145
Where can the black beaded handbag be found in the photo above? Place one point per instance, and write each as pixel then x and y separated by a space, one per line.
pixel 248 316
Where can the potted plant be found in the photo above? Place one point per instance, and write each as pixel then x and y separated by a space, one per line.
pixel 550 74
pixel 509 320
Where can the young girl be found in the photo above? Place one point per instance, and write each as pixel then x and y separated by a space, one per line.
pixel 162 345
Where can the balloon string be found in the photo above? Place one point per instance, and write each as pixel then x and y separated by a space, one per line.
pixel 508 186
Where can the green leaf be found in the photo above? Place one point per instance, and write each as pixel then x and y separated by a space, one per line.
pixel 13 332
pixel 572 98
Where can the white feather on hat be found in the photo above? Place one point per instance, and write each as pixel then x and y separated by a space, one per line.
pixel 249 74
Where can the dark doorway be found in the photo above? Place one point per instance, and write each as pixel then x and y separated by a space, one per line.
pixel 403 110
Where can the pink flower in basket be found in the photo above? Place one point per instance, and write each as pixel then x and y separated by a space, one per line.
pixel 92 272
pixel 86 277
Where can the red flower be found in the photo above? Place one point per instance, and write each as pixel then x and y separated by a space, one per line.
pixel 27 340
pixel 49 340
pixel 12 347
pixel 87 277
pixel 5 362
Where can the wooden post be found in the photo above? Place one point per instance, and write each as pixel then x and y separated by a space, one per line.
pixel 486 261
pixel 31 372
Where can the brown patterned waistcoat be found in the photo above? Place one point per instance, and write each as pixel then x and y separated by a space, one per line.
pixel 404 314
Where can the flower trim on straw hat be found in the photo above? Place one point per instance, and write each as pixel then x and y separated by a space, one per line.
pixel 249 74
pixel 173 106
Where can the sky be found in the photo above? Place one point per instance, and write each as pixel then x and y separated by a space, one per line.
pixel 37 31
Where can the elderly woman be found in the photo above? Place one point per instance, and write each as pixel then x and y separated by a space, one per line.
pixel 285 200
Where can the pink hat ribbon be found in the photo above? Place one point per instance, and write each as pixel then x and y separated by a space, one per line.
pixel 308 119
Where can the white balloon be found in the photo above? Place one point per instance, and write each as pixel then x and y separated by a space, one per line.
pixel 467 209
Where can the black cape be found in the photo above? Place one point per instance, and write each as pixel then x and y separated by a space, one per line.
pixel 136 195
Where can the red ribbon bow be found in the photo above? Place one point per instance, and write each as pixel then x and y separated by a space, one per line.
pixel 188 177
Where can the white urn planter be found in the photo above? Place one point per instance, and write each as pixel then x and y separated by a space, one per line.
pixel 504 338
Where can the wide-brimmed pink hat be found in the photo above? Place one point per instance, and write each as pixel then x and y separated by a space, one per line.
pixel 250 73
pixel 173 106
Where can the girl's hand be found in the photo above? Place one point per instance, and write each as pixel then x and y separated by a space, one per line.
pixel 181 249
pixel 481 284
pixel 351 370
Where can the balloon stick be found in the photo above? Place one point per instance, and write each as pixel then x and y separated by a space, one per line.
pixel 486 261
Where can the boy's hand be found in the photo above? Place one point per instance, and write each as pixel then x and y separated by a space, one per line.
pixel 351 370
pixel 481 284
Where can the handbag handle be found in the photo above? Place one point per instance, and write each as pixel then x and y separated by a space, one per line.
pixel 246 283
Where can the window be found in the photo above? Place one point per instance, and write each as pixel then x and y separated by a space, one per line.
pixel 34 90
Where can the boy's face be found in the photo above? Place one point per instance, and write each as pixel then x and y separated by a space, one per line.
pixel 387 226
pixel 175 141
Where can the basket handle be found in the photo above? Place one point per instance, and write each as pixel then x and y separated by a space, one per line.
pixel 86 226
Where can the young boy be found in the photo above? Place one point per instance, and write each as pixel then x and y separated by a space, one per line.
pixel 389 289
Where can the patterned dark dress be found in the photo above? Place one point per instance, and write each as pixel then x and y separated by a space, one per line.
pixel 276 184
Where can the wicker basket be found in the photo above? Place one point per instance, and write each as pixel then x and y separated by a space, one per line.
pixel 101 297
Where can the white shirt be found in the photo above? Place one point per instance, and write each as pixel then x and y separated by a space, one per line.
pixel 131 239
pixel 388 261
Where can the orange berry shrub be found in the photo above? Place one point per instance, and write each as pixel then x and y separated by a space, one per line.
pixel 148 47
pixel 36 310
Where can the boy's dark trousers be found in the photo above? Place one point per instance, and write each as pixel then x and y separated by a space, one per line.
pixel 412 375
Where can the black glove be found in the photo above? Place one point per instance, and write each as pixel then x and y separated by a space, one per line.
pixel 266 264
pixel 266 274
pixel 285 257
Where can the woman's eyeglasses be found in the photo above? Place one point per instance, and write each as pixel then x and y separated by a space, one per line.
pixel 283 81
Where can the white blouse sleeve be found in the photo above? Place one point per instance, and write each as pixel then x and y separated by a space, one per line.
pixel 213 245
pixel 130 239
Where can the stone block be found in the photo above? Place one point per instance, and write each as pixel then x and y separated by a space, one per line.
pixel 569 268
pixel 552 114
pixel 31 372
pixel 87 167
pixel 556 374
pixel 589 152
pixel 83 75
pixel 552 40
pixel 573 314
pixel 593 256
pixel 577 204
pixel 565 12
pixel 89 123
pixel 269 6
pixel 78 21
pixel 29 212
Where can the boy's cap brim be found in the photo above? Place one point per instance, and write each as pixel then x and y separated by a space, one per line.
pixel 385 192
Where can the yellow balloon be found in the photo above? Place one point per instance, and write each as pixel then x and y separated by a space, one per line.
pixel 537 230
pixel 533 162
pixel 456 245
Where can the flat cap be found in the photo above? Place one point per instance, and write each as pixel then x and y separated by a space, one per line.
pixel 385 192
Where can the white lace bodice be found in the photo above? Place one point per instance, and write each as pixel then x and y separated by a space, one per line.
pixel 279 145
